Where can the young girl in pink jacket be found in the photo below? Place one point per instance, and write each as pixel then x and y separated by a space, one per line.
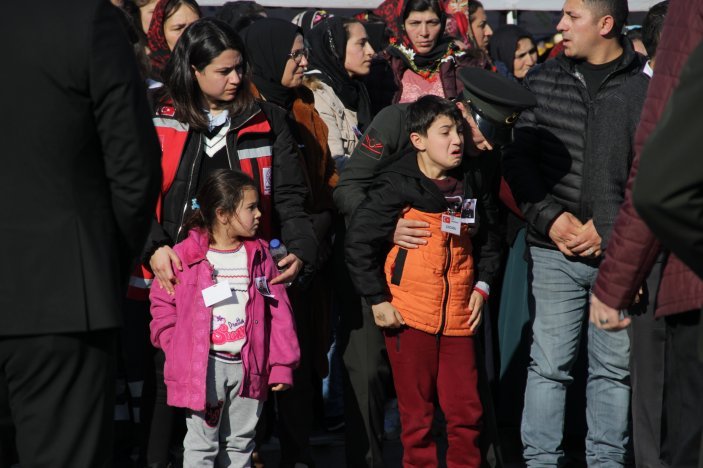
pixel 227 333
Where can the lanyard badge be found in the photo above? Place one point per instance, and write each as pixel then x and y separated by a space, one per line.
pixel 451 223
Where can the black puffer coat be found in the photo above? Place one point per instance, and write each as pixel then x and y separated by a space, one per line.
pixel 573 153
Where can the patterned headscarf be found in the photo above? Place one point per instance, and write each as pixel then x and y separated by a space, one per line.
pixel 309 18
pixel 159 52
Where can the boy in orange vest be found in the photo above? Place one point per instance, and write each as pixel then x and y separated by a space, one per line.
pixel 426 298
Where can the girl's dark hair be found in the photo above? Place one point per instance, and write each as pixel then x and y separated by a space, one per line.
pixel 223 189
pixel 421 5
pixel 200 43
pixel 423 112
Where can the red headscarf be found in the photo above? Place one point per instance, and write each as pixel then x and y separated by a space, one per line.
pixel 391 11
pixel 159 52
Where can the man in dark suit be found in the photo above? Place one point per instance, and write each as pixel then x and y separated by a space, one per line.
pixel 79 179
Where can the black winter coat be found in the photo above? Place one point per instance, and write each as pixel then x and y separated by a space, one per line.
pixel 573 153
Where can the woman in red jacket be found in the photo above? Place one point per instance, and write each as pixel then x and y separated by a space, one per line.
pixel 207 119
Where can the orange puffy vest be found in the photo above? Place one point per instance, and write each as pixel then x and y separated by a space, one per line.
pixel 431 285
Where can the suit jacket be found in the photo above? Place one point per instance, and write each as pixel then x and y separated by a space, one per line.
pixel 80 166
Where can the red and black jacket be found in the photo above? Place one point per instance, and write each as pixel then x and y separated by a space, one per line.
pixel 259 144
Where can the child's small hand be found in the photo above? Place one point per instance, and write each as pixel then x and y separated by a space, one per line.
pixel 387 316
pixel 281 387
pixel 476 309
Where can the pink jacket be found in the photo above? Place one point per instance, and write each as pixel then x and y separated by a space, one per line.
pixel 181 326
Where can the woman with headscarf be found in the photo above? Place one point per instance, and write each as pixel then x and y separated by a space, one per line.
pixel 423 60
pixel 479 30
pixel 341 55
pixel 278 58
pixel 240 14
pixel 168 21
pixel 308 19
pixel 513 51
pixel 467 24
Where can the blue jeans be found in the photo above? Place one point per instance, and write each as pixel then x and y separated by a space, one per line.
pixel 560 291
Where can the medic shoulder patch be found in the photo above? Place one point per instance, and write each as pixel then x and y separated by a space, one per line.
pixel 371 144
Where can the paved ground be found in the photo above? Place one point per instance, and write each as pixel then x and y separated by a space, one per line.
pixel 328 450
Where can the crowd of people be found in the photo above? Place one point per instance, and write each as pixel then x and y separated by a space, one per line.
pixel 261 226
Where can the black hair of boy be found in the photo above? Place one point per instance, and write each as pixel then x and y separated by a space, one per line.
pixel 652 27
pixel 423 112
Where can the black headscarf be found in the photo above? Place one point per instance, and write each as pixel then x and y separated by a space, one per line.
pixel 240 14
pixel 429 60
pixel 328 41
pixel 308 19
pixel 268 43
pixel 504 44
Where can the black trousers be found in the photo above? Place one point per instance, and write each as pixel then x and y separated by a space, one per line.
pixel 647 374
pixel 61 390
pixel 368 384
pixel 295 405
pixel 164 425
pixel 683 391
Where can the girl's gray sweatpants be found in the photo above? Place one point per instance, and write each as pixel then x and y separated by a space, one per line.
pixel 223 434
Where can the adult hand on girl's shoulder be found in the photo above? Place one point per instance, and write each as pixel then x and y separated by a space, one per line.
pixel 292 265
pixel 387 316
pixel 162 263
pixel 476 308
pixel 281 387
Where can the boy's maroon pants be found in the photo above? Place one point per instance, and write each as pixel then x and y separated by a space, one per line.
pixel 428 369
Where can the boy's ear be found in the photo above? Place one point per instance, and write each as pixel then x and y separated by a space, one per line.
pixel 418 141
